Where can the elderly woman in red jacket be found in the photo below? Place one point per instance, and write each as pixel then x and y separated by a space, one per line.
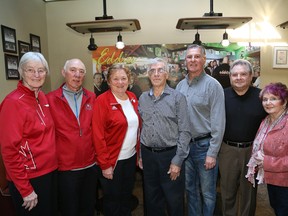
pixel 115 126
pixel 270 148
pixel 27 141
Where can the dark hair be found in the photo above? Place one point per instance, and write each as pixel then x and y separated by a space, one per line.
pixel 98 74
pixel 278 89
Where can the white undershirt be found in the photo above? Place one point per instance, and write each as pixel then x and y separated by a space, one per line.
pixel 130 140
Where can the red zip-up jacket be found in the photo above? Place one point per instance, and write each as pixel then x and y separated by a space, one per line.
pixel 27 137
pixel 73 140
pixel 109 128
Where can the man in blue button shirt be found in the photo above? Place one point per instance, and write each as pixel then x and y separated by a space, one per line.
pixel 205 98
pixel 165 141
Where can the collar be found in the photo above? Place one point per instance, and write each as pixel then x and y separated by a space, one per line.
pixel 166 90
pixel 195 79
pixel 246 94
pixel 26 90
pixel 68 91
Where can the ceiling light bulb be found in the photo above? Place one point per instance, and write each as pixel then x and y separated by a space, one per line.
pixel 120 44
pixel 225 42
pixel 92 46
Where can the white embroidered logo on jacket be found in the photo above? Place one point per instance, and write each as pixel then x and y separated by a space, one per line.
pixel 26 152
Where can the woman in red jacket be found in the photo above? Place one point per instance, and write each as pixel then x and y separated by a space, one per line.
pixel 27 141
pixel 115 126
pixel 270 148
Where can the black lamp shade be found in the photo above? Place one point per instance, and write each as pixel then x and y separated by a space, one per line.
pixel 92 46
pixel 197 39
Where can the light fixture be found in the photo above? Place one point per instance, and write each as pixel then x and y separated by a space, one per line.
pixel 212 20
pixel 197 39
pixel 120 44
pixel 92 46
pixel 283 25
pixel 105 23
pixel 225 42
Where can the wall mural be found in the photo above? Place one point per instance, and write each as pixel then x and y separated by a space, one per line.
pixel 136 57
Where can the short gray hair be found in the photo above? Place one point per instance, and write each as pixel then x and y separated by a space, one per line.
pixel 157 60
pixel 244 63
pixel 69 61
pixel 32 57
pixel 196 46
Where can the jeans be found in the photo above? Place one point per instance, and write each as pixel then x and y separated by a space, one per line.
pixel 200 183
pixel 278 197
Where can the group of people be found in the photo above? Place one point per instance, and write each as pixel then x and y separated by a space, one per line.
pixel 58 145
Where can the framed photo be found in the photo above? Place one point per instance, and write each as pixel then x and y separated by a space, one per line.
pixel 9 39
pixel 23 47
pixel 11 67
pixel 35 43
pixel 280 57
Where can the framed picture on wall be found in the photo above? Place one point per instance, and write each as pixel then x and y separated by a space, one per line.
pixel 11 67
pixel 280 57
pixel 35 43
pixel 23 47
pixel 9 39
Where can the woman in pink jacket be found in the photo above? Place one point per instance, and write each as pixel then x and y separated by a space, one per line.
pixel 115 126
pixel 27 141
pixel 270 148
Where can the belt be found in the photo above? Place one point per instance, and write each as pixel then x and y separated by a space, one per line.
pixel 203 136
pixel 239 144
pixel 159 149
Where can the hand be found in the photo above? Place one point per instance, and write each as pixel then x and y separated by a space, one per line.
pixel 108 173
pixel 140 164
pixel 30 201
pixel 210 163
pixel 174 172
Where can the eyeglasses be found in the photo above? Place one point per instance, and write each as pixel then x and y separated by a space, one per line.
pixel 158 70
pixel 32 71
pixel 272 100
pixel 73 71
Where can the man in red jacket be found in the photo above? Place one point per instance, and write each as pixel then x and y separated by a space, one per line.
pixel 71 108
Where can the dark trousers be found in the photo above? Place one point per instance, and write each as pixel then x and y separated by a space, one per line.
pixel 162 195
pixel 118 191
pixel 46 189
pixel 278 197
pixel 77 192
